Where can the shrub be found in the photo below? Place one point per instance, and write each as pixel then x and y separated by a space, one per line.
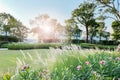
pixel 13 39
pixel 9 38
pixel 4 46
pixel 77 41
pixel 93 46
pixel 23 46
pixel 2 43
pixel 110 42
pixel 26 73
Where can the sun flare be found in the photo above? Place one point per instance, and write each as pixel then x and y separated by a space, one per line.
pixel 47 29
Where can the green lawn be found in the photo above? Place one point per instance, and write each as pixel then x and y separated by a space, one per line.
pixel 8 58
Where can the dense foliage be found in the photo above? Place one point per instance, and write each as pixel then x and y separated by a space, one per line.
pixel 10 26
pixel 9 38
pixel 116 30
pixel 84 15
pixel 94 46
pixel 76 66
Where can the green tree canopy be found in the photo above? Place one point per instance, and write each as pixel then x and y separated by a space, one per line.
pixel 72 30
pixel 93 29
pixel 116 30
pixel 7 21
pixel 111 7
pixel 84 14
pixel 10 25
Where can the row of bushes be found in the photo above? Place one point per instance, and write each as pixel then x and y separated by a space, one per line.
pixel 104 42
pixel 3 44
pixel 94 46
pixel 5 40
pixel 110 42
pixel 76 41
pixel 23 46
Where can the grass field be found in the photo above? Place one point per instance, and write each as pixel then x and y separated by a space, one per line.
pixel 8 58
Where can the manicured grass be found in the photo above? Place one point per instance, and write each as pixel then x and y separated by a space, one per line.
pixel 8 58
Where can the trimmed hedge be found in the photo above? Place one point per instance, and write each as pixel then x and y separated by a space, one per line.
pixel 77 41
pixel 93 46
pixel 23 46
pixel 110 42
pixel 103 42
pixel 2 44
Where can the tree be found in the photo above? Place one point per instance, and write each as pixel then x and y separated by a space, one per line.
pixel 100 29
pixel 46 28
pixel 83 15
pixel 20 31
pixel 106 35
pixel 12 27
pixel 116 30
pixel 72 30
pixel 69 29
pixel 77 32
pixel 110 6
pixel 7 21
pixel 93 29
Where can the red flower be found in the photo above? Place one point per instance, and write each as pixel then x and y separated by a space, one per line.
pixel 102 62
pixel 25 67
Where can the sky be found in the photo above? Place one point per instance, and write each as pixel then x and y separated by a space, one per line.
pixel 25 10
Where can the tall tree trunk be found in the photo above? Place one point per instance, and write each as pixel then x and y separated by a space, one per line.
pixel 5 38
pixel 87 34
pixel 78 38
pixel 91 39
pixel 100 39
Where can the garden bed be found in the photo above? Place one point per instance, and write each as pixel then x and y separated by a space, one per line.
pixel 72 65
